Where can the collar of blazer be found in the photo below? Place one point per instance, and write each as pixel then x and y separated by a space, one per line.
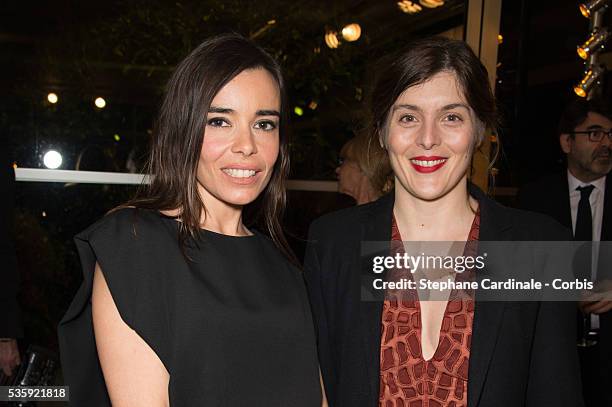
pixel 495 225
pixel 494 222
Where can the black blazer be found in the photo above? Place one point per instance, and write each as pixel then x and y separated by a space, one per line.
pixel 522 354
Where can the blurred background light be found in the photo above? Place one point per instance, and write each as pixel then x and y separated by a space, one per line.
pixel 351 32
pixel 431 3
pixel 298 110
pixel 52 159
pixel 409 7
pixel 331 39
pixel 52 98
pixel 100 102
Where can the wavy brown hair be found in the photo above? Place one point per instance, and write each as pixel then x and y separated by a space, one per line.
pixel 180 130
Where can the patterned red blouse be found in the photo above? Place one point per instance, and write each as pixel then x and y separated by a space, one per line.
pixel 406 378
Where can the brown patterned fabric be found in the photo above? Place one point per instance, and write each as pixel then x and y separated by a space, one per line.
pixel 406 378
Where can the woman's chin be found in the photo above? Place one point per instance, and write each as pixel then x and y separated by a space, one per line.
pixel 240 198
pixel 427 191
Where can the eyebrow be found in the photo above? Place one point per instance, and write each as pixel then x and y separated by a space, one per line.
pixel 226 110
pixel 594 127
pixel 418 109
pixel 268 113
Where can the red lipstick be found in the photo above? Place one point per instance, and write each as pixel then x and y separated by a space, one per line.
pixel 426 165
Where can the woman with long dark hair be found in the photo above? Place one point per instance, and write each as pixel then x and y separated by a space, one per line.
pixel 184 302
pixel 430 107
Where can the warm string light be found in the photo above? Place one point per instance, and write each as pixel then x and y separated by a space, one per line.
pixel 431 3
pixel 409 7
pixel 331 39
pixel 412 7
pixel 350 33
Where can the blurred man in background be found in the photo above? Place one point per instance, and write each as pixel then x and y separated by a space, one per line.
pixel 581 199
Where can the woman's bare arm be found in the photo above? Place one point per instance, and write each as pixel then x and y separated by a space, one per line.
pixel 134 374
pixel 324 399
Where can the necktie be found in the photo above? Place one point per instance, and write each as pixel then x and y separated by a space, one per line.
pixel 584 232
pixel 584 219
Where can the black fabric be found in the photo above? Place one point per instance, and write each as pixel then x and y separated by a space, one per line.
pixel 10 315
pixel 584 217
pixel 584 233
pixel 522 353
pixel 550 195
pixel 232 325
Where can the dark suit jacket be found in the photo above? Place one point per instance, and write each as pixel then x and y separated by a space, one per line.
pixel 550 195
pixel 522 354
pixel 10 321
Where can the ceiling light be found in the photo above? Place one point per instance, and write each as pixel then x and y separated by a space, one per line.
pixel 589 7
pixel 596 42
pixel 590 80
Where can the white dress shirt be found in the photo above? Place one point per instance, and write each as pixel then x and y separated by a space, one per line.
pixel 596 199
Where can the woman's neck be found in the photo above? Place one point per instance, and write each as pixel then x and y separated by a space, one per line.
pixel 446 218
pixel 221 217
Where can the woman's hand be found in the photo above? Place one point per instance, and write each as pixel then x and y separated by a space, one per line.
pixel 9 355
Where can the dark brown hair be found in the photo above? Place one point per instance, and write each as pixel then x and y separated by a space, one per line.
pixel 419 62
pixel 179 132
pixel 577 111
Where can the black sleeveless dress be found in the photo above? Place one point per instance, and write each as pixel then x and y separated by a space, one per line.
pixel 232 325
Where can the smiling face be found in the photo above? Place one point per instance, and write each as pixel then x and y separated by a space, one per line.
pixel 241 140
pixel 430 137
